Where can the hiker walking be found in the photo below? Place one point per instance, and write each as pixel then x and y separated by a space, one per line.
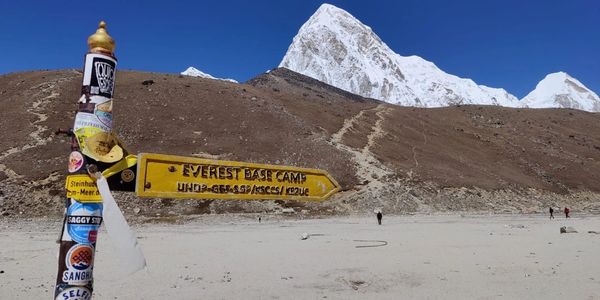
pixel 379 217
pixel 567 211
pixel 551 212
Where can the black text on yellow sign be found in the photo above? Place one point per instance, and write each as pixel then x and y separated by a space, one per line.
pixel 169 176
pixel 82 188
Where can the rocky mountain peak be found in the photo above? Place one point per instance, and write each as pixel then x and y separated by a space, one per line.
pixel 563 91
pixel 191 71
pixel 338 49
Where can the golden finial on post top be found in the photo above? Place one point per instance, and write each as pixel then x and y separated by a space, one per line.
pixel 101 41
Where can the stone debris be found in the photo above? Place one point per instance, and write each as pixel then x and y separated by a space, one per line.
pixel 520 226
pixel 288 210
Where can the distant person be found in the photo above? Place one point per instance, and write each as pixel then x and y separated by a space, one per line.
pixel 379 217
pixel 259 219
pixel 567 211
pixel 551 212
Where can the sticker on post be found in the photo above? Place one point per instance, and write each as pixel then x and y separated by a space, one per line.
pixel 104 147
pixel 87 125
pixel 127 175
pixel 99 74
pixel 82 188
pixel 79 261
pixel 76 161
pixel 83 221
pixel 85 120
pixel 74 293
pixel 103 112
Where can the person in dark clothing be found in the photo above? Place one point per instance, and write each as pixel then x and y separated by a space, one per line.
pixel 551 213
pixel 379 217
pixel 259 219
pixel 567 211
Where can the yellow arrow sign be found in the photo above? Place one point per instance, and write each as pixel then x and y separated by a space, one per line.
pixel 169 176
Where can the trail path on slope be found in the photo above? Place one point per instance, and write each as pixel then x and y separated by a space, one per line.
pixel 374 176
pixel 369 168
pixel 336 138
pixel 43 94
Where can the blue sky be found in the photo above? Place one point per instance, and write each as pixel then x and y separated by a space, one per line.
pixel 510 43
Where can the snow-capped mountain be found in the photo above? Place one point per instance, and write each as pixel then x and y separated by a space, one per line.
pixel 191 71
pixel 336 48
pixel 562 91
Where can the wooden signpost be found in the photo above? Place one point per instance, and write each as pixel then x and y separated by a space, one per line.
pixel 95 150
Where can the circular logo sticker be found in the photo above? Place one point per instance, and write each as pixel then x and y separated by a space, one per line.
pixel 127 175
pixel 75 161
pixel 79 260
pixel 83 221
pixel 80 257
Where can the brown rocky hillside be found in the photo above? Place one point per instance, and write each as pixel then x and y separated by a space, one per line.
pixel 401 159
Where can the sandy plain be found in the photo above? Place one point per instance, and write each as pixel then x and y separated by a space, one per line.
pixel 235 257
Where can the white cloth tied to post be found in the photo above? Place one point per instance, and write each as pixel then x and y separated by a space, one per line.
pixel 124 239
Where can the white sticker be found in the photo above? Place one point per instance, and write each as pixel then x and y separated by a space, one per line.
pixel 74 293
pixel 83 120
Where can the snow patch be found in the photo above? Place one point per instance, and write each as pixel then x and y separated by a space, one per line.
pixel 191 71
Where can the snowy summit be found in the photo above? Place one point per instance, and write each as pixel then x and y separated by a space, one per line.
pixel 191 71
pixel 336 48
pixel 562 91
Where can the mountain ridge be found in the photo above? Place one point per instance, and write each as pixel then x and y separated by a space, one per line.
pixel 334 47
pixel 337 48
pixel 401 159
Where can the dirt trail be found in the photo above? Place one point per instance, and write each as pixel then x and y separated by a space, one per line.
pixel 414 149
pixel 369 169
pixel 42 95
pixel 374 175
pixel 336 138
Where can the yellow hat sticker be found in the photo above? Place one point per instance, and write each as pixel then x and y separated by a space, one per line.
pixel 104 147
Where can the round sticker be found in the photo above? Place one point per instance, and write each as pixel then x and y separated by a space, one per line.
pixel 80 257
pixel 74 293
pixel 83 221
pixel 127 175
pixel 79 261
pixel 75 161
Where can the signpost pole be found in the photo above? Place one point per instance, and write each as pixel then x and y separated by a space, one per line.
pixel 93 147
